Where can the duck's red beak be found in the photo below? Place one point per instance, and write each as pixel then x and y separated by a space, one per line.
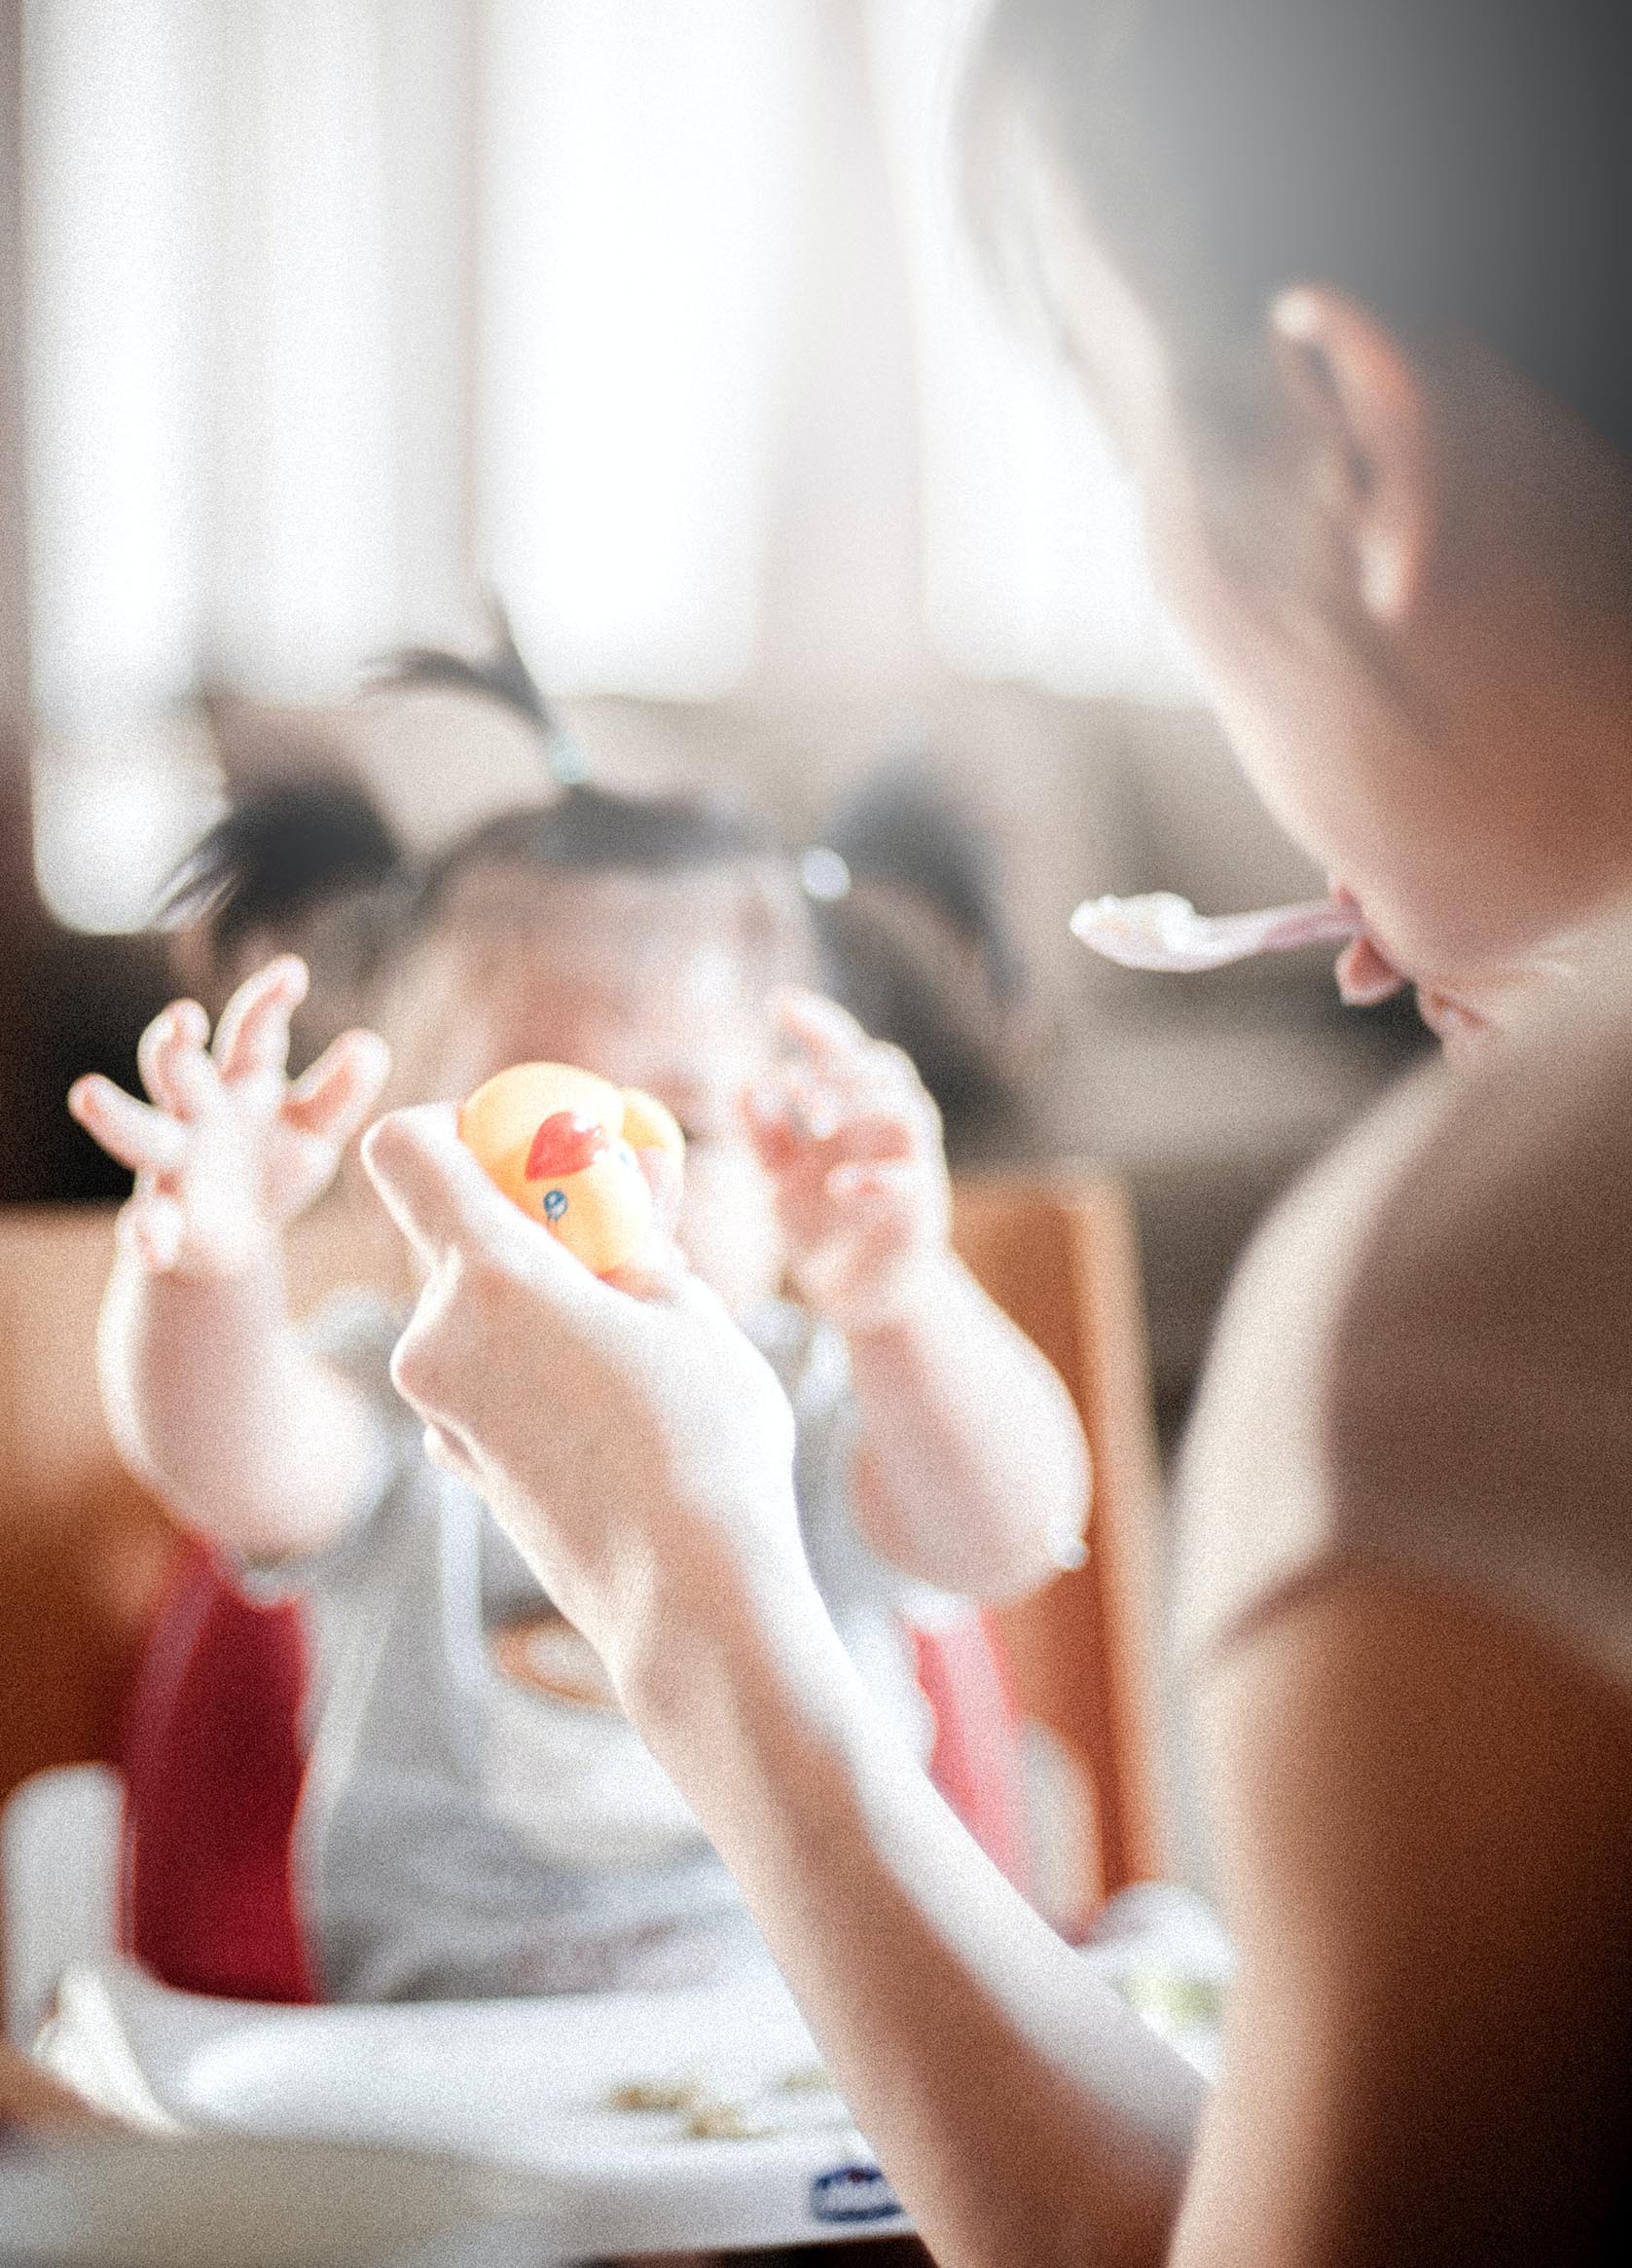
pixel 564 1145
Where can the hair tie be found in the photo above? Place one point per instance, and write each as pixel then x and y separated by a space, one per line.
pixel 823 875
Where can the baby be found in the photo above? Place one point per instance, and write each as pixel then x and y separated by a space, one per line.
pixel 478 1819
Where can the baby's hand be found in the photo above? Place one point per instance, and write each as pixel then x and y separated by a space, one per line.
pixel 853 1143
pixel 229 1151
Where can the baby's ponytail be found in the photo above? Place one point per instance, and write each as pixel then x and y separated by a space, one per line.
pixel 280 855
pixel 310 866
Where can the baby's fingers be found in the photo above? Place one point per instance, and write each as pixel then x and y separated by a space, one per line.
pixel 767 1114
pixel 867 1138
pixel 153 1226
pixel 173 1056
pixel 331 1099
pixel 882 1187
pixel 146 1140
pixel 253 1034
pixel 827 1034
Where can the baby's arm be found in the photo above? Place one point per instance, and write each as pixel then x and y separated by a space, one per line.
pixel 971 1469
pixel 971 1472
pixel 212 1397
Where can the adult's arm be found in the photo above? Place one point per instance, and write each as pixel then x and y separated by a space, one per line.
pixel 1425 1819
pixel 641 1453
pixel 1428 1835
pixel 1417 1805
pixel 1023 2111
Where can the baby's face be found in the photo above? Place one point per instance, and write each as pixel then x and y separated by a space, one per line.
pixel 647 982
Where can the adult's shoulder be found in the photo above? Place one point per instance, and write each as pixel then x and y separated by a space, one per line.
pixel 1426 1361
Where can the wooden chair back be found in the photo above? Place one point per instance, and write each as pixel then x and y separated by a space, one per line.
pixel 83 1548
pixel 1060 1258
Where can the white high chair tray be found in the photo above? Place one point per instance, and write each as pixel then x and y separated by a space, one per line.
pixel 517 2086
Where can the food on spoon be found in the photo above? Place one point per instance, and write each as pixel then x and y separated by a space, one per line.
pixel 1163 930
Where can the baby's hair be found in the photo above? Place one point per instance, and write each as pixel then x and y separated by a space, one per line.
pixel 590 829
pixel 584 828
pixel 904 926
pixel 501 677
pixel 279 854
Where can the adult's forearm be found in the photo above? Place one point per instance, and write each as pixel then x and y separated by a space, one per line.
pixel 971 1469
pixel 215 1403
pixel 1022 2112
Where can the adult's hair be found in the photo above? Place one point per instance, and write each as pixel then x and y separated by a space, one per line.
pixel 1463 168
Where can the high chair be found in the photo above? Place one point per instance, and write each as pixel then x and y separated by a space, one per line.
pixel 91 1566
pixel 84 1556
pixel 83 1552
pixel 1059 1256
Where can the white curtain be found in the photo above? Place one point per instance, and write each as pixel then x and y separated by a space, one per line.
pixel 246 374
pixel 652 313
pixel 637 231
pixel 1033 564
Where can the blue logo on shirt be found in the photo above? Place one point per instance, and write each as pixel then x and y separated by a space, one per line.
pixel 854 2193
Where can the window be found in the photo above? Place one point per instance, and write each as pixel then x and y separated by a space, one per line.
pixel 653 316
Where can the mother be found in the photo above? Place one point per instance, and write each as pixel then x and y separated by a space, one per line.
pixel 1346 279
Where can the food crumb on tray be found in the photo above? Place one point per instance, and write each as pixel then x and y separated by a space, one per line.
pixel 709 2114
pixel 724 2122
pixel 655 2095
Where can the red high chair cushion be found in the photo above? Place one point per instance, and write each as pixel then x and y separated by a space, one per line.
pixel 212 1758
pixel 976 1761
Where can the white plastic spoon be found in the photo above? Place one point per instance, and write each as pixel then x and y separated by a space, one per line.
pixel 1163 930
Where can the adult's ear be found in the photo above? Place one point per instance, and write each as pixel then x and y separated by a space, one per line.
pixel 1360 403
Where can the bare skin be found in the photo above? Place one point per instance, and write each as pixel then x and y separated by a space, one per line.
pixel 1409 586
pixel 945 1384
pixel 825 1157
pixel 1407 596
pixel 1022 2114
pixel 210 1394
